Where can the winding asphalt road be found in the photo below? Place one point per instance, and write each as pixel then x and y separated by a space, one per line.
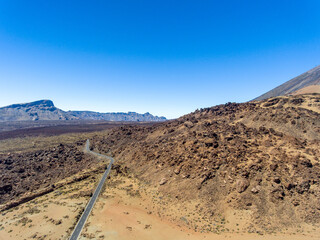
pixel 77 231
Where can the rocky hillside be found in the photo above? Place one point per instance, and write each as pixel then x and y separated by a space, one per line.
pixel 258 158
pixel 308 82
pixel 45 110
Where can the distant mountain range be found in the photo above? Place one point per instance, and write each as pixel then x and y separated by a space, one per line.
pixel 308 82
pixel 45 110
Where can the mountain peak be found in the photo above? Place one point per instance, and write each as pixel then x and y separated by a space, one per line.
pixel 307 82
pixel 42 103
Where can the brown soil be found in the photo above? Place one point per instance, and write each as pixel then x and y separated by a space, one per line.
pixel 308 89
pixel 258 157
pixel 51 216
pixel 130 209
pixel 126 209
pixel 53 128
pixel 237 171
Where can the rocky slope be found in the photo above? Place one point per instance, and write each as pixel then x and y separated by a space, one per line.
pixel 45 110
pixel 32 171
pixel 259 157
pixel 308 82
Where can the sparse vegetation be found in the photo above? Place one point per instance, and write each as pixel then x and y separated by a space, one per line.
pixel 212 160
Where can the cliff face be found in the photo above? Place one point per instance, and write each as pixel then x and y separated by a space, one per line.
pixel 39 110
pixel 45 110
pixel 308 82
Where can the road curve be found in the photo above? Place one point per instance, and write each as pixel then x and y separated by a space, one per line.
pixel 77 230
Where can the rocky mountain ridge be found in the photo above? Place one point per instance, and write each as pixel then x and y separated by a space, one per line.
pixel 118 116
pixel 45 110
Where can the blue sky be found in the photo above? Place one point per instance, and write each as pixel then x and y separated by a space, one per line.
pixel 165 57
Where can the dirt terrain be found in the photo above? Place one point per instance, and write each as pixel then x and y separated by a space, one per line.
pixel 53 215
pixel 26 173
pixel 309 89
pixel 233 171
pixel 127 209
pixel 132 209
pixel 258 157
pixel 53 128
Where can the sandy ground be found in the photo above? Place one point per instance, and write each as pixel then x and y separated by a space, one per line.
pixel 51 216
pixel 126 211
pixel 308 89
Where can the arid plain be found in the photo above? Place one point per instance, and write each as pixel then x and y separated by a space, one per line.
pixel 212 174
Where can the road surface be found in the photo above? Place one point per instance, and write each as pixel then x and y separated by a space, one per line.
pixel 77 231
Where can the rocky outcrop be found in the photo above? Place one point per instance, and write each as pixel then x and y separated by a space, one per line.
pixel 260 157
pixel 31 171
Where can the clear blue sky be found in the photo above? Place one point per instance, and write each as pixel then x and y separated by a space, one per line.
pixel 165 57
